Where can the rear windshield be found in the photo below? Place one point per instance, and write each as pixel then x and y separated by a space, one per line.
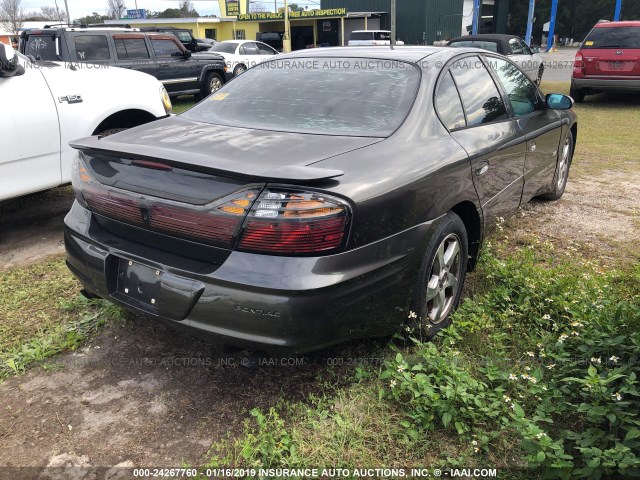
pixel 361 36
pixel 613 37
pixel 224 47
pixel 329 96
pixel 183 36
pixel 485 45
pixel 42 47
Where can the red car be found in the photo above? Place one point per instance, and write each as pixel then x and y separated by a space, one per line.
pixel 608 60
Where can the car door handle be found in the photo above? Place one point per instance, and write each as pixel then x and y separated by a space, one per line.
pixel 482 168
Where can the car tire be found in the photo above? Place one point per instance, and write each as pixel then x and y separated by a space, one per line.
pixel 212 83
pixel 239 70
pixel 540 73
pixel 565 157
pixel 576 94
pixel 441 277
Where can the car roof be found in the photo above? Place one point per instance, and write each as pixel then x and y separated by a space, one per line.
pixel 400 52
pixel 495 37
pixel 625 23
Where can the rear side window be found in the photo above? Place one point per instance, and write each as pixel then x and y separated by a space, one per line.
pixel 480 96
pixel 361 36
pixel 92 47
pixel 613 37
pixel 42 47
pixel 249 48
pixel 382 36
pixel 448 103
pixel 128 48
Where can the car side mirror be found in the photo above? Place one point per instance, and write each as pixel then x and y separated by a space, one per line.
pixel 557 101
pixel 9 65
pixel 187 54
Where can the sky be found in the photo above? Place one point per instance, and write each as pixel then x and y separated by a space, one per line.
pixel 81 8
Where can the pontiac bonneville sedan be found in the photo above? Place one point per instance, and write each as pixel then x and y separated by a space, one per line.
pixel 320 196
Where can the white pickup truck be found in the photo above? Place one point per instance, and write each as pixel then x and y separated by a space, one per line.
pixel 44 105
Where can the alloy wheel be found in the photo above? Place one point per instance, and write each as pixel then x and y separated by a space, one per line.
pixel 215 84
pixel 563 168
pixel 442 286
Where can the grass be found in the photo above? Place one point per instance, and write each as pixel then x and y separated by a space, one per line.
pixel 182 104
pixel 537 377
pixel 617 115
pixel 43 314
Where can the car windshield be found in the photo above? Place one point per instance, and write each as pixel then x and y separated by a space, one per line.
pixel 224 47
pixel 613 37
pixel 329 96
pixel 484 44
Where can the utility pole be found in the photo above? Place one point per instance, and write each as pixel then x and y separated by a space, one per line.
pixel 552 25
pixel 66 5
pixel 477 6
pixel 286 39
pixel 616 17
pixel 532 6
pixel 393 23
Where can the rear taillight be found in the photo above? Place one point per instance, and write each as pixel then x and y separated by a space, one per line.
pixel 579 61
pixel 279 222
pixel 216 223
pixel 295 223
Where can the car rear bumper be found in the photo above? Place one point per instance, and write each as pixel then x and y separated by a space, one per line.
pixel 607 83
pixel 270 303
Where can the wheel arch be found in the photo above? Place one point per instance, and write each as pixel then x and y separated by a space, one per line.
pixel 124 119
pixel 472 221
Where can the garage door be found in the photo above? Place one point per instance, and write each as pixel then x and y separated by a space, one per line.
pixel 351 24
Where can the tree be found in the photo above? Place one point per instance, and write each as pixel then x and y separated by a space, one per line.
pixel 295 8
pixel 11 15
pixel 186 9
pixel 95 17
pixel 115 8
pixel 47 14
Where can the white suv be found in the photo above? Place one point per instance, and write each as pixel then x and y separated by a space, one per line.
pixel 47 104
pixel 371 38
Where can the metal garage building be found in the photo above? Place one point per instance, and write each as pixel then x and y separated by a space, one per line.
pixel 418 21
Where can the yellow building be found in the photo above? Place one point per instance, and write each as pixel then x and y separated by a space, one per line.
pixel 202 27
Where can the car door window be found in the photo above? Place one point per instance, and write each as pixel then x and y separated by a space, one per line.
pixel 515 47
pixel 250 48
pixel 522 94
pixel 166 48
pixel 448 103
pixel 129 48
pixel 525 48
pixel 265 49
pixel 92 47
pixel 480 97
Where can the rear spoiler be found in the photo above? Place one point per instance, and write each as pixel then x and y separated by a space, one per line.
pixel 252 171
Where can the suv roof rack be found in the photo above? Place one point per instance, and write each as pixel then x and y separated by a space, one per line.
pixel 52 25
pixel 108 25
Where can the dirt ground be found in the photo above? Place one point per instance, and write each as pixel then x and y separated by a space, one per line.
pixel 598 216
pixel 31 227
pixel 144 395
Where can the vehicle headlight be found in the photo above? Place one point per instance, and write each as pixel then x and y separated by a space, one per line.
pixel 166 100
